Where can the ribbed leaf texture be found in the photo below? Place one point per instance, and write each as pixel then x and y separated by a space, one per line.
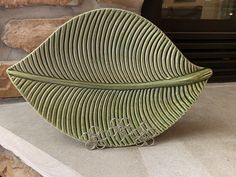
pixel 109 76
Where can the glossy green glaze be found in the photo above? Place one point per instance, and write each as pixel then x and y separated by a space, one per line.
pixel 109 77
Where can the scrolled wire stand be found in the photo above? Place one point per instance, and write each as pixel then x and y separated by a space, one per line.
pixel 120 131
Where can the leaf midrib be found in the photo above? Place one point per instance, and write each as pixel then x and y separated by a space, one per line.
pixel 194 77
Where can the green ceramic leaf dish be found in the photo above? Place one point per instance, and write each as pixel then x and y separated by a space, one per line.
pixel 109 76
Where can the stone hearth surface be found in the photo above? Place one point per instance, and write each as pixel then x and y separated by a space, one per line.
pixel 201 143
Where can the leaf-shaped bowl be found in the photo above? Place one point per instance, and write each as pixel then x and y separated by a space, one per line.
pixel 109 77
